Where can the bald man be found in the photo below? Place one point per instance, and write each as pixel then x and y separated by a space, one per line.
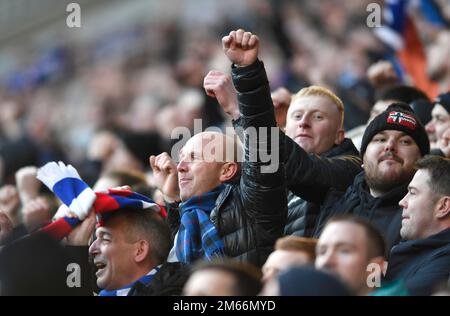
pixel 218 205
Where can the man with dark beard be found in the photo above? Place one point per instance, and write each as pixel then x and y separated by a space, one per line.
pixel 391 145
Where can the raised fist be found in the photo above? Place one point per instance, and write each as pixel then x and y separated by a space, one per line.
pixel 218 85
pixel 241 47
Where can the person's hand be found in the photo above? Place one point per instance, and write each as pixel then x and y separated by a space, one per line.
pixel 6 226
pixel 382 74
pixel 10 203
pixel 241 47
pixel 81 234
pixel 281 99
pixel 36 213
pixel 165 176
pixel 102 146
pixel 27 183
pixel 125 187
pixel 444 143
pixel 218 85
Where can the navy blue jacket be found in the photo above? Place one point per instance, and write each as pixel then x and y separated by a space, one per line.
pixel 422 263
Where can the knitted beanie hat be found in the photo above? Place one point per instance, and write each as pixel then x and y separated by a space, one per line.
pixel 443 100
pixel 400 117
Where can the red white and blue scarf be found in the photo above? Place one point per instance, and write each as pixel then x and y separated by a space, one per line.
pixel 67 185
pixel 123 291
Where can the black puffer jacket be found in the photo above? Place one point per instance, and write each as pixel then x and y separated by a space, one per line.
pixel 421 264
pixel 323 181
pixel 250 216
pixel 308 176
pixel 303 215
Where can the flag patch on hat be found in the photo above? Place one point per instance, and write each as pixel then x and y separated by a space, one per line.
pixel 400 118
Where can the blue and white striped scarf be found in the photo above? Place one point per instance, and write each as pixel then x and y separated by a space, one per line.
pixel 79 198
pixel 123 291
pixel 197 236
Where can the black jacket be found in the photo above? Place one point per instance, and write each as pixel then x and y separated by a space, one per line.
pixel 36 264
pixel 383 212
pixel 308 176
pixel 303 215
pixel 323 181
pixel 421 264
pixel 169 280
pixel 250 215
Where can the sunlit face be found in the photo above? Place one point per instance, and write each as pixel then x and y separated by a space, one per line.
pixel 343 250
pixel 200 166
pixel 439 124
pixel 113 255
pixel 280 260
pixel 313 122
pixel 210 282
pixel 389 160
pixel 418 208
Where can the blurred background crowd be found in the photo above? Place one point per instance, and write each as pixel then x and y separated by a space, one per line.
pixel 108 94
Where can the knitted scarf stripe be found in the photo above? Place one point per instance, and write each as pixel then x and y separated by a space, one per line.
pixel 67 185
pixel 123 291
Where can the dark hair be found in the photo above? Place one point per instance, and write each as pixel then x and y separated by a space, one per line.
pixel 377 244
pixel 439 170
pixel 401 93
pixel 297 243
pixel 147 225
pixel 247 278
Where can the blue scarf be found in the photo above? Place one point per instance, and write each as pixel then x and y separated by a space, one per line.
pixel 197 236
pixel 123 291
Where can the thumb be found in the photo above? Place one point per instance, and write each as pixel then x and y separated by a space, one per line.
pixel 152 160
pixel 210 93
pixel 226 41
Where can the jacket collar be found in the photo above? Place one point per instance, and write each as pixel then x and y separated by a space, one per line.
pixel 219 201
pixel 432 242
pixel 361 187
pixel 346 147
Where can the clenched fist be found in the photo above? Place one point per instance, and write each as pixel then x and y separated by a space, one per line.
pixel 218 85
pixel 241 47
pixel 165 176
